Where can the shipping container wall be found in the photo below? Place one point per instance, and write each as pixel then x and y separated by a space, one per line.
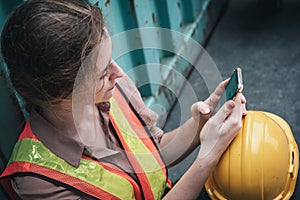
pixel 146 36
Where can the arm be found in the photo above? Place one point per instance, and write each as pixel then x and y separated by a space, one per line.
pixel 186 137
pixel 215 137
pixel 177 144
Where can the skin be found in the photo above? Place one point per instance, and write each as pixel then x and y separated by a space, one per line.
pixel 214 132
pixel 108 73
pixel 106 85
pixel 218 130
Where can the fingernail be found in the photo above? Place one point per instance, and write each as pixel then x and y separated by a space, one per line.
pixel 244 100
pixel 205 110
pixel 231 104
pixel 238 98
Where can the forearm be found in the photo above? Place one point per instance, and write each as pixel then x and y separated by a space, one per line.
pixel 216 135
pixel 176 144
pixel 192 182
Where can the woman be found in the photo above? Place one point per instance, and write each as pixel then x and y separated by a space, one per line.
pixel 88 132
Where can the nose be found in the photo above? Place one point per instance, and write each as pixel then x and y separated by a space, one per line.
pixel 115 71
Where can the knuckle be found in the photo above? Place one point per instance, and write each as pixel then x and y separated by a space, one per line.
pixel 236 123
pixel 239 124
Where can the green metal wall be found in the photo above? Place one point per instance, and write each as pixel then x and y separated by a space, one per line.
pixel 194 18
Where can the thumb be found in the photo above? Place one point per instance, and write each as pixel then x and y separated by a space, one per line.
pixel 199 108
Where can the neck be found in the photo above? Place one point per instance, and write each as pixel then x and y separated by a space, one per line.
pixel 60 116
pixel 71 120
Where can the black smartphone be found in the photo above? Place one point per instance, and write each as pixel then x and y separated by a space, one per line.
pixel 234 86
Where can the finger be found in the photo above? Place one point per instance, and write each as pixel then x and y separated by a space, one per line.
pixel 214 98
pixel 199 108
pixel 238 110
pixel 244 101
pixel 244 109
pixel 225 111
pixel 203 108
pixel 234 121
pixel 226 81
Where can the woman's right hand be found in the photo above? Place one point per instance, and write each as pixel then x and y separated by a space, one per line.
pixel 215 136
pixel 221 129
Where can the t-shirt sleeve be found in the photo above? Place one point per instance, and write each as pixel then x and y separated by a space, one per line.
pixel 149 116
pixel 26 187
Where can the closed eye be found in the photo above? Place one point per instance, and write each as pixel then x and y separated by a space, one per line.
pixel 105 70
pixel 104 74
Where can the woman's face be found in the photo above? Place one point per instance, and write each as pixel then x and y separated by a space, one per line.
pixel 107 82
pixel 107 73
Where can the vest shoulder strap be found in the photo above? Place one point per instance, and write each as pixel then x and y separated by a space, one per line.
pixel 139 146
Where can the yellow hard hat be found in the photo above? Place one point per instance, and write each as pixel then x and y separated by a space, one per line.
pixel 260 163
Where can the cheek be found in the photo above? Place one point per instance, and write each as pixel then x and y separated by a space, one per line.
pixel 102 93
pixel 98 95
pixel 100 86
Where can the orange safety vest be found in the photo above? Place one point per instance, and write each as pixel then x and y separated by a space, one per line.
pixel 96 179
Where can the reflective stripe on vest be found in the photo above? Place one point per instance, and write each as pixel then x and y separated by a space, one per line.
pixel 100 180
pixel 139 147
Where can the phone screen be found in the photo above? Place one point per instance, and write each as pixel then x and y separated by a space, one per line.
pixel 231 88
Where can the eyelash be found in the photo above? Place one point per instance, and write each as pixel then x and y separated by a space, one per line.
pixel 103 75
pixel 105 72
